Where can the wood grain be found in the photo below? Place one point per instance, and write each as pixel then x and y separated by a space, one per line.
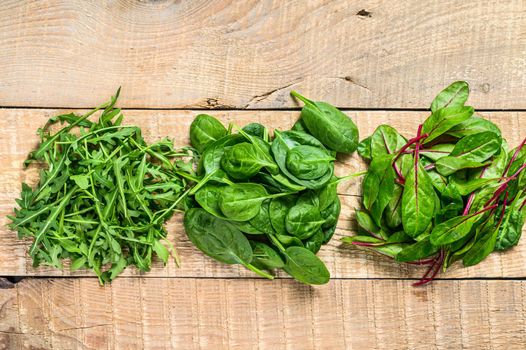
pixel 244 314
pixel 250 54
pixel 17 128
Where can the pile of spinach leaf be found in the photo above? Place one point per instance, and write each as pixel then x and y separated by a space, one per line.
pixel 269 202
pixel 103 195
pixel 453 192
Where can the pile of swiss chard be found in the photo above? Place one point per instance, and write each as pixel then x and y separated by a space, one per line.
pixel 453 192
pixel 269 202
pixel 103 195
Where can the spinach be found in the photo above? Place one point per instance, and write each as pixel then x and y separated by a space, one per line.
pixel 285 142
pixel 305 266
pixel 242 201
pixel 204 130
pixel 278 194
pixel 265 257
pixel 242 161
pixel 303 220
pixel 453 192
pixel 256 129
pixel 278 210
pixel 308 162
pixel 219 239
pixel 329 125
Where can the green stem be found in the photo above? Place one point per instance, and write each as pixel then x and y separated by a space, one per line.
pixel 172 207
pixel 348 177
pixel 258 271
pixel 202 182
pixel 301 98
pixel 276 242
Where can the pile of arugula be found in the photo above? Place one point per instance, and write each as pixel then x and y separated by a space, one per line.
pixel 453 192
pixel 103 195
pixel 269 203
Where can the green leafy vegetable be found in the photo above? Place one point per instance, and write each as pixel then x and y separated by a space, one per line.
pixel 329 125
pixel 453 192
pixel 103 195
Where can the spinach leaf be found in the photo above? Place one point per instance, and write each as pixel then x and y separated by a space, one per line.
pixel 308 162
pixel 329 125
pixel 255 129
pixel 303 220
pixel 219 239
pixel 264 257
pixel 284 143
pixel 204 130
pixel 262 220
pixel 242 161
pixel 314 242
pixel 278 210
pixel 305 266
pixel 242 201
pixel 208 198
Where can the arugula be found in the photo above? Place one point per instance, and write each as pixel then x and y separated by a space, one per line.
pixel 103 195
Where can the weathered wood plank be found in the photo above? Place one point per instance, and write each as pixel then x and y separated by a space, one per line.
pixel 17 128
pixel 250 54
pixel 167 313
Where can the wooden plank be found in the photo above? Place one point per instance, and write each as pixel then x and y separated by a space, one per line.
pixel 17 128
pixel 259 314
pixel 250 54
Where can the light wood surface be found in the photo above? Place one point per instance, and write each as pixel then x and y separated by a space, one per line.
pixel 249 54
pixel 18 127
pixel 175 57
pixel 164 313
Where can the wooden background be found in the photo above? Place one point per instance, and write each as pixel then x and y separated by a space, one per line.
pixel 381 61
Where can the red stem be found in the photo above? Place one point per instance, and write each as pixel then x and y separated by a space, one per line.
pixel 497 194
pixel 439 262
pixel 421 262
pixel 430 167
pixel 472 195
pixel 410 143
pixel 399 175
pixel 485 209
pixel 515 155
pixel 503 208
